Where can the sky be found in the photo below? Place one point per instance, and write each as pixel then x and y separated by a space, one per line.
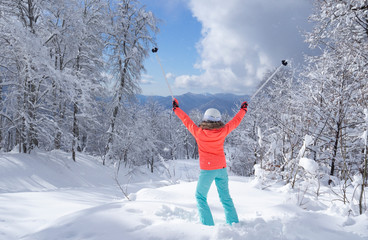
pixel 216 46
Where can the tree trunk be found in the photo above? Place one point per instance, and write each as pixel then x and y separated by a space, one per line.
pixel 119 93
pixel 195 151
pixel 32 113
pixel 186 147
pixel 334 153
pixel 151 163
pixel 364 183
pixel 110 141
pixel 75 131
pixel 76 138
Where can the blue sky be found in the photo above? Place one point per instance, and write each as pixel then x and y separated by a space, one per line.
pixel 223 46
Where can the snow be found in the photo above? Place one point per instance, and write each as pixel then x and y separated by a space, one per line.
pixel 365 133
pixel 308 140
pixel 309 165
pixel 46 195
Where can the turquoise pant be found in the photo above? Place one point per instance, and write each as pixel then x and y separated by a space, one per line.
pixel 205 180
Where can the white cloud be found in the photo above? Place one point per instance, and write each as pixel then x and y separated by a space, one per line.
pixel 186 80
pixel 241 40
pixel 147 79
pixel 170 75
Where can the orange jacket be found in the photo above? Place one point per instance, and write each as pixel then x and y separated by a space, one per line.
pixel 210 142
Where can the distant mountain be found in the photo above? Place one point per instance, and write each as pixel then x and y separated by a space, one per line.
pixel 224 102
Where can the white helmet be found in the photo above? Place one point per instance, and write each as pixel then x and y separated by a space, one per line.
pixel 212 114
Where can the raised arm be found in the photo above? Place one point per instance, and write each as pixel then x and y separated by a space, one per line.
pixel 233 123
pixel 188 123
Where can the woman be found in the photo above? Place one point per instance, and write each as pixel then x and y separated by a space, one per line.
pixel 210 137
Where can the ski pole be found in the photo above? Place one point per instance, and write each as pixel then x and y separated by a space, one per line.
pixel 283 63
pixel 154 50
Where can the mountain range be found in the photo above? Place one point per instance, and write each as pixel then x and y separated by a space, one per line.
pixel 224 102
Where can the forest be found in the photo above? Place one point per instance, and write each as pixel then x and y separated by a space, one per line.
pixel 70 70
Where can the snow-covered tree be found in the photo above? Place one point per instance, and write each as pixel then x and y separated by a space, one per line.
pixel 129 36
pixel 272 129
pixel 51 65
pixel 75 43
pixel 336 88
pixel 26 71
pixel 339 77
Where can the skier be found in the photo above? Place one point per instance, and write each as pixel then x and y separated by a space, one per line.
pixel 210 137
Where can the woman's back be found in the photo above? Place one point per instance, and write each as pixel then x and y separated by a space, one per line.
pixel 210 141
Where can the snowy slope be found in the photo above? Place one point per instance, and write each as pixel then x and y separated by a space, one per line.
pixel 42 171
pixel 47 196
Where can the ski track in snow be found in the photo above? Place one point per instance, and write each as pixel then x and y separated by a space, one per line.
pixel 46 196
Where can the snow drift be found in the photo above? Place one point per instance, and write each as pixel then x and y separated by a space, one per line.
pixel 46 195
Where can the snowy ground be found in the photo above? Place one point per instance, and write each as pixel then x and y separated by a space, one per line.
pixel 46 196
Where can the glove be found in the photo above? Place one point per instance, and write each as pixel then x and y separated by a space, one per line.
pixel 244 106
pixel 175 104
